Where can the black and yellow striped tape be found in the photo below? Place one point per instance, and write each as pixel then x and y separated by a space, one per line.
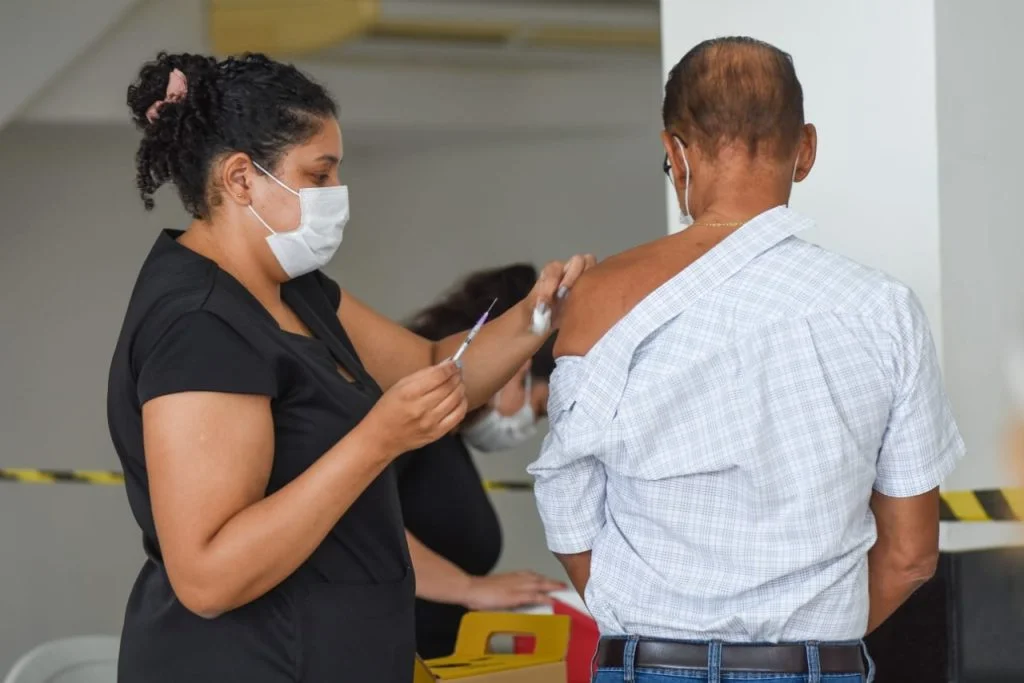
pixel 28 476
pixel 985 505
pixel 493 485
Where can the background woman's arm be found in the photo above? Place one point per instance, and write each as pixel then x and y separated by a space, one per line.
pixel 440 580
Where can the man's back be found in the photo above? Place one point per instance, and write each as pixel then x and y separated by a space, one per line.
pixel 717 447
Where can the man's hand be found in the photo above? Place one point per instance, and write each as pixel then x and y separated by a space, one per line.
pixel 906 553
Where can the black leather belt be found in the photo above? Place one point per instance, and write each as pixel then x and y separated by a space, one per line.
pixel 783 659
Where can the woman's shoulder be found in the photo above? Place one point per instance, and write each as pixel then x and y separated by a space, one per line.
pixel 169 284
pixel 177 288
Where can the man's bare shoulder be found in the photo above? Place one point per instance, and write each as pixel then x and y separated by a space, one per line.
pixel 605 294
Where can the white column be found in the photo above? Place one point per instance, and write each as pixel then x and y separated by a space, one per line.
pixel 869 73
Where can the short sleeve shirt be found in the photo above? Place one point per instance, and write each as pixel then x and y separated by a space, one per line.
pixel 190 326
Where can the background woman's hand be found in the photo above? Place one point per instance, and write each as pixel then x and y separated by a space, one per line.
pixel 419 409
pixel 556 282
pixel 508 591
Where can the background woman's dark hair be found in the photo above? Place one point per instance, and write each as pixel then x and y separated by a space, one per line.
pixel 460 307
pixel 249 104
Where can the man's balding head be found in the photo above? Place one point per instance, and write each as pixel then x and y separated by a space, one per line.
pixel 735 90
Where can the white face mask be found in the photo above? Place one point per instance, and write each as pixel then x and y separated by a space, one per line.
pixel 323 214
pixel 497 432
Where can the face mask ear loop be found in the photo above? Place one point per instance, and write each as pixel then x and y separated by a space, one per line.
pixel 685 219
pixel 686 192
pixel 260 219
pixel 271 176
pixel 792 182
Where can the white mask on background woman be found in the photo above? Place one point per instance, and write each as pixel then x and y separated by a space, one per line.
pixel 497 432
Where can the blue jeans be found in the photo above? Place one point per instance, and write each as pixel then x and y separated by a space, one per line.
pixel 630 674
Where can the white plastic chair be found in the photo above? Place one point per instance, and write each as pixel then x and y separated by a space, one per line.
pixel 83 659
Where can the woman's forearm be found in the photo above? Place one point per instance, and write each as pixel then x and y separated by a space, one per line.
pixel 264 543
pixel 499 350
pixel 437 579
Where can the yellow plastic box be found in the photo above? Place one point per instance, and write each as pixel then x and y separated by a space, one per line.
pixel 474 662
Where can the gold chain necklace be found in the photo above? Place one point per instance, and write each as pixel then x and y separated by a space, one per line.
pixel 734 224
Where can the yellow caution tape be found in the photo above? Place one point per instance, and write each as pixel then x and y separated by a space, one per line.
pixel 28 476
pixel 983 505
pixel 491 485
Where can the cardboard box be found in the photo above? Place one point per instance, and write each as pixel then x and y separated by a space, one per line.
pixel 474 662
pixel 583 634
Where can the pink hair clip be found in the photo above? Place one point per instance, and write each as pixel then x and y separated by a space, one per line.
pixel 177 88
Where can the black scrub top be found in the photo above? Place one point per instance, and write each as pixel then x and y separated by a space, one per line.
pixel 347 613
pixel 445 506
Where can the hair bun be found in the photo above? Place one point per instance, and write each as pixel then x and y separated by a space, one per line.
pixel 248 104
pixel 150 86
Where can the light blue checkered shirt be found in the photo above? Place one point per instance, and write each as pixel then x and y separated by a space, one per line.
pixel 717 448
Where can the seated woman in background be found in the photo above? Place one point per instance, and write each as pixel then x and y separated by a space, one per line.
pixel 453 531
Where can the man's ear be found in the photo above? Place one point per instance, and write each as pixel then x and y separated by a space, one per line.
pixel 673 148
pixel 807 152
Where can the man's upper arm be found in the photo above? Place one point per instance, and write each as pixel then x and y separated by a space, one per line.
pixel 570 476
pixel 570 494
pixel 922 444
pixel 570 480
pixel 595 305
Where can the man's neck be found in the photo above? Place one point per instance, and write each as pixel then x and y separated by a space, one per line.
pixel 740 188
pixel 739 206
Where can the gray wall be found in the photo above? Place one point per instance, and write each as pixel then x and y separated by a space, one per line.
pixel 426 210
pixel 980 150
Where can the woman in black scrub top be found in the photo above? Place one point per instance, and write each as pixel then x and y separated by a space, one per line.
pixel 453 531
pixel 256 408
